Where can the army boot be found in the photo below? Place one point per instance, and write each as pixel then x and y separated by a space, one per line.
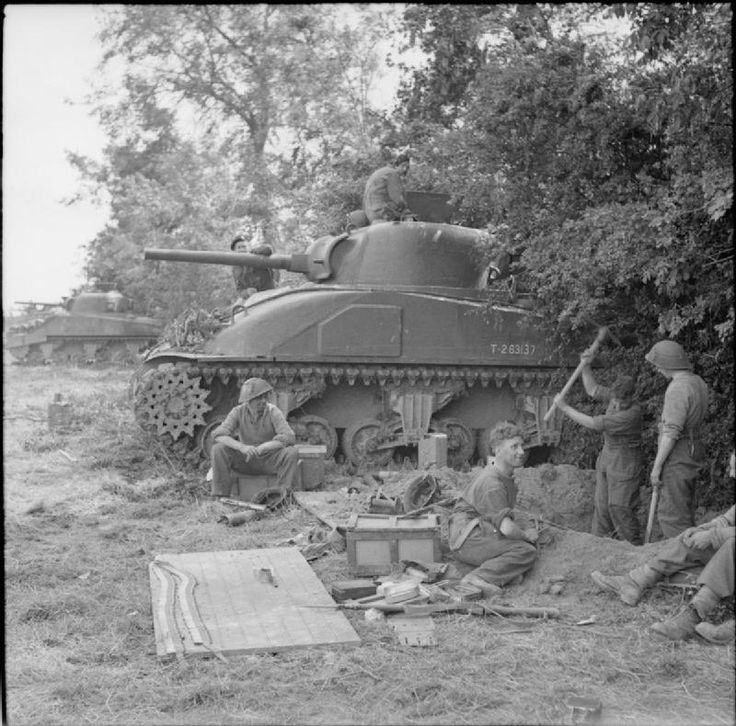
pixel 629 587
pixel 705 601
pixel 722 634
pixel 679 627
pixel 487 588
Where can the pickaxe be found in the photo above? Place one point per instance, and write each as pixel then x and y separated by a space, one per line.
pixel 602 334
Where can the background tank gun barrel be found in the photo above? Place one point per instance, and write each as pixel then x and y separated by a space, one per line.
pixel 34 303
pixel 293 263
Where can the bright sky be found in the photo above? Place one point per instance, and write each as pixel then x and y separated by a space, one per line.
pixel 48 56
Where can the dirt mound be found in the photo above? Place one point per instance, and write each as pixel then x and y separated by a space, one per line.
pixel 563 494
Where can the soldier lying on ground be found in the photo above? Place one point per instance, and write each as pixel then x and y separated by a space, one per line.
pixel 482 530
pixel 711 544
pixel 254 439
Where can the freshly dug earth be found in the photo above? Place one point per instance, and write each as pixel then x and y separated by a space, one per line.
pixel 87 509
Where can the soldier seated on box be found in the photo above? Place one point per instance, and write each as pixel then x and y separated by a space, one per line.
pixel 254 438
pixel 482 530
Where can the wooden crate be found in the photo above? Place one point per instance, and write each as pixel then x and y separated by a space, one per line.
pixel 377 541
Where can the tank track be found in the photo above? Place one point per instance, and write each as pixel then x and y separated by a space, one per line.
pixel 220 383
pixel 521 381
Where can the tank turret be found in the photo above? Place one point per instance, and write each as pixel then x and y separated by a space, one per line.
pixel 394 336
pixel 382 255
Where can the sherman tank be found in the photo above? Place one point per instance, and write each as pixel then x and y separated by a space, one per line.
pixel 393 336
pixel 90 327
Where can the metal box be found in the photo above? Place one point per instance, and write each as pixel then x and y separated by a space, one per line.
pixel 375 542
pixel 311 467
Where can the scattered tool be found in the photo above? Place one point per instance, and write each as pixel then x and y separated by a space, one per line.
pixel 442 503
pixel 244 505
pixel 480 609
pixel 602 333
pixel 420 609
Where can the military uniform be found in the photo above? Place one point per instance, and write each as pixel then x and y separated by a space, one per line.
pixel 474 529
pixel 383 199
pixel 244 424
pixel 685 406
pixel 618 470
pixel 247 279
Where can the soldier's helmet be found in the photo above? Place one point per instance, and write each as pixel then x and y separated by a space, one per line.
pixel 253 388
pixel 669 355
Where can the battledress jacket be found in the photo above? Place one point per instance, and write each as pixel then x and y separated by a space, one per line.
pixel 621 428
pixel 270 426
pixel 685 406
pixel 491 497
pixel 384 195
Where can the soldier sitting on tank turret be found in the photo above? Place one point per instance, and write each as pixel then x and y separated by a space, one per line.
pixel 254 438
pixel 383 200
pixel 249 279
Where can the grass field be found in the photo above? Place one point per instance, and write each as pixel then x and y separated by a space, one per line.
pixel 87 510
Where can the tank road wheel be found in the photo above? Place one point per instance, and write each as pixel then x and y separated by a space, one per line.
pixel 317 431
pixel 359 443
pixel 170 402
pixel 460 440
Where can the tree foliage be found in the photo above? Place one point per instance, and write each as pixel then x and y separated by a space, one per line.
pixel 594 140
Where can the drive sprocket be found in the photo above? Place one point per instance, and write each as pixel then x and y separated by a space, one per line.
pixel 170 402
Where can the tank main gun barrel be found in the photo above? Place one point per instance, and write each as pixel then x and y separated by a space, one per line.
pixel 293 263
pixel 34 303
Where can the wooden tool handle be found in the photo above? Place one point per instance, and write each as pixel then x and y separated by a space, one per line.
pixel 652 513
pixel 602 333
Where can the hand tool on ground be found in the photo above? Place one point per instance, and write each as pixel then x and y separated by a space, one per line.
pixel 473 608
pixel 477 608
pixel 602 333
pixel 442 503
pixel 241 503
pixel 652 513
pixel 537 518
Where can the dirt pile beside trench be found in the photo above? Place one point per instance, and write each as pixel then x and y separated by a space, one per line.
pixel 563 494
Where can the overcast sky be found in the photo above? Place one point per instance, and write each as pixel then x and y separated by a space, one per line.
pixel 49 54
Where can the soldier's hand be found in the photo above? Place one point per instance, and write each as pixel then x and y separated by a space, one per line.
pixel 655 478
pixel 698 540
pixel 531 535
pixel 248 451
pixel 587 356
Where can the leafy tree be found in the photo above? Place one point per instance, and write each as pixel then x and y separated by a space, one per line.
pixel 605 169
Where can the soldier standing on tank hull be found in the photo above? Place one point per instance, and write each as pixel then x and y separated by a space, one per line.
pixel 383 200
pixel 680 451
pixel 254 438
pixel 250 279
pixel 619 466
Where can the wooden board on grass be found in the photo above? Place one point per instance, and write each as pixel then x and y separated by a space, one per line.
pixel 219 603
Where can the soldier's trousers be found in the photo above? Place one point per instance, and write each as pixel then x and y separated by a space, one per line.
pixel 617 480
pixel 676 511
pixel 227 463
pixel 497 559
pixel 718 572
